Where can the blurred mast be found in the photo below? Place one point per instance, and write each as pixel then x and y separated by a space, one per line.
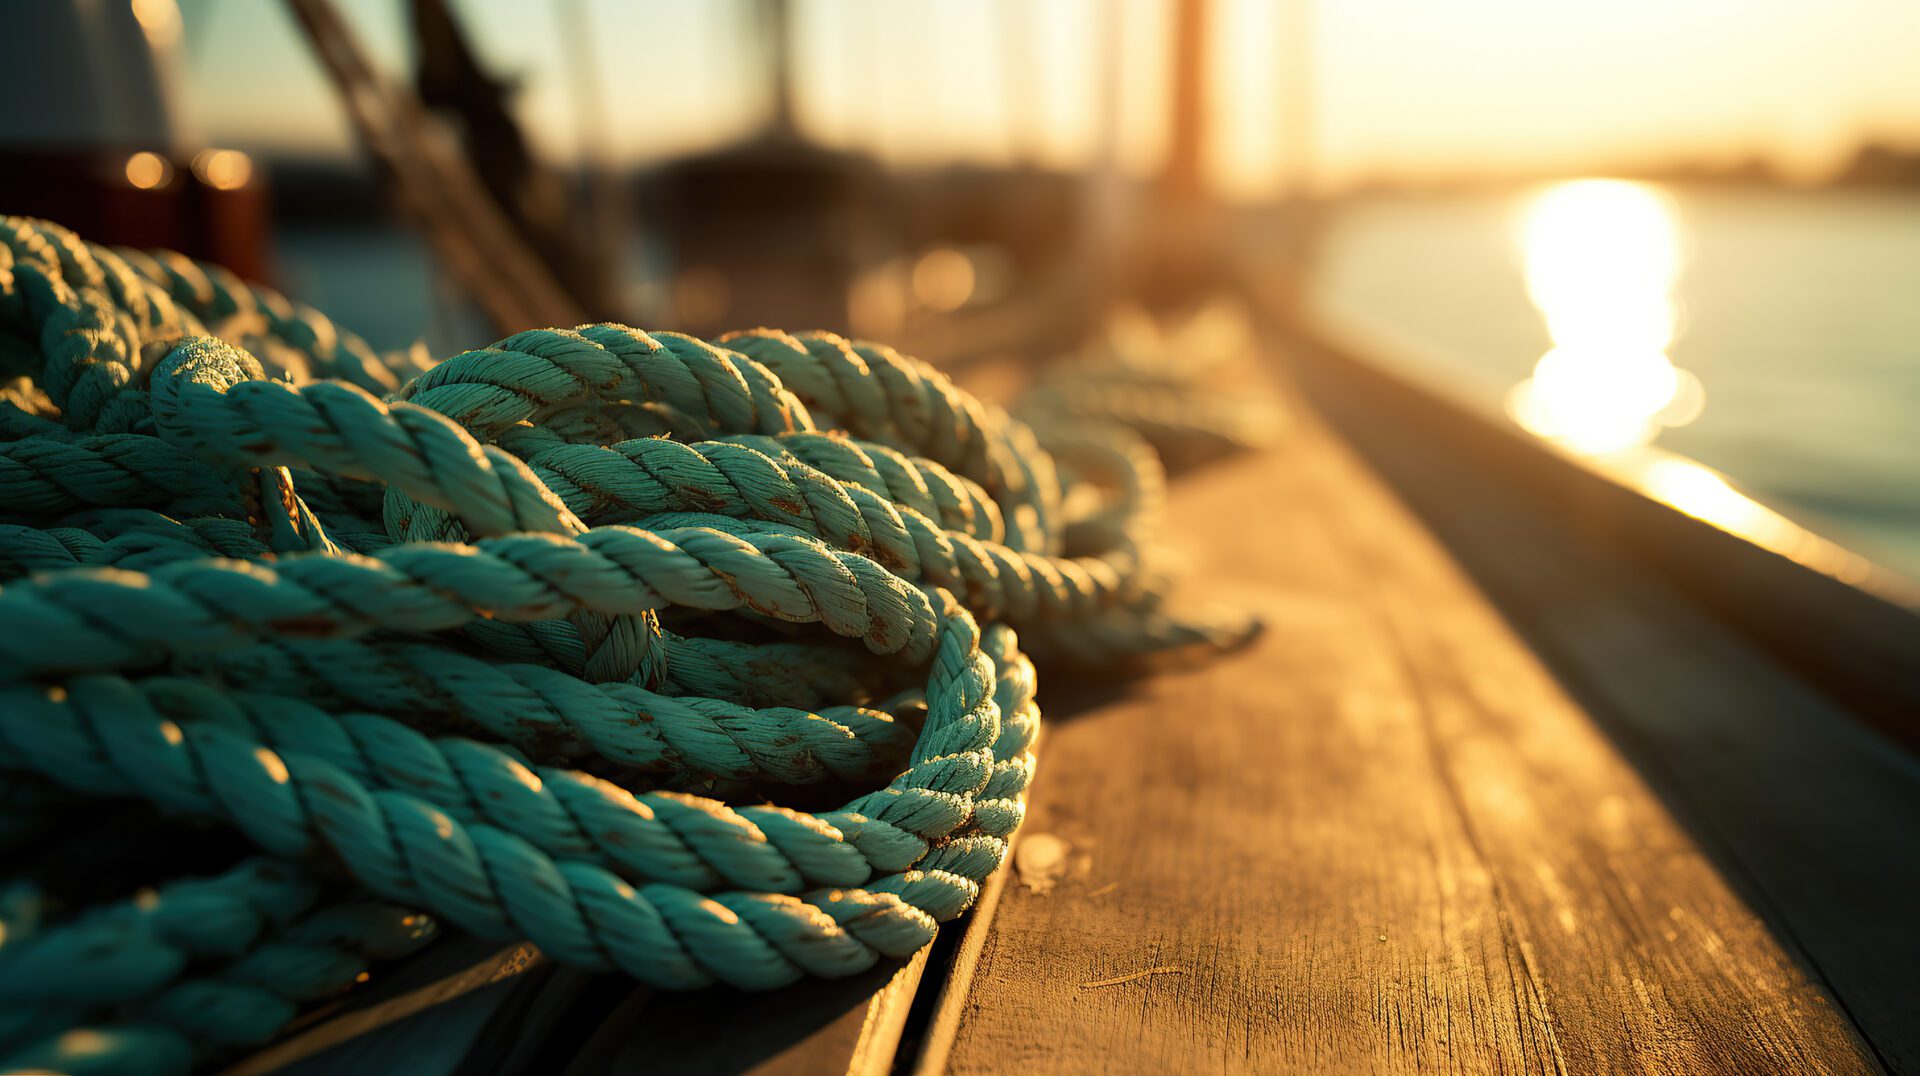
pixel 1300 213
pixel 776 16
pixel 534 198
pixel 1298 128
pixel 436 187
pixel 1025 127
pixel 1106 204
pixel 1180 260
pixel 603 222
pixel 1183 183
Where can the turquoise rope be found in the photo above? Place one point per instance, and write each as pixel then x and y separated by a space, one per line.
pixel 250 977
pixel 500 639
pixel 130 951
pixel 185 970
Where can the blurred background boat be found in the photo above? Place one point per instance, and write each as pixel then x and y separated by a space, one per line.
pixel 972 179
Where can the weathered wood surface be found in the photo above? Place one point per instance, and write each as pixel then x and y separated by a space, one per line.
pixel 1385 838
pixel 474 1009
pixel 1809 812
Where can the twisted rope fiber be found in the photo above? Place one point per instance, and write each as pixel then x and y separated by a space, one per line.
pixel 550 713
pixel 652 836
pixel 503 640
pixel 496 884
pixel 132 949
pixel 204 605
pixel 243 1003
pixel 94 318
pixel 193 966
pixel 637 479
pixel 210 396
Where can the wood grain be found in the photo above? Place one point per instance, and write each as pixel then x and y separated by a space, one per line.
pixel 949 1003
pixel 1809 813
pixel 1383 839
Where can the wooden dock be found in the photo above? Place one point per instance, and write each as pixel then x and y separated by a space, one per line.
pixel 1489 794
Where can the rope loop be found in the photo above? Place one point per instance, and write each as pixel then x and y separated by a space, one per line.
pixel 529 643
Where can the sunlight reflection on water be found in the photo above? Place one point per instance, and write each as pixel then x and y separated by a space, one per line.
pixel 1602 259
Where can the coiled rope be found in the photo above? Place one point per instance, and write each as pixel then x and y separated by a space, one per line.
pixel 524 642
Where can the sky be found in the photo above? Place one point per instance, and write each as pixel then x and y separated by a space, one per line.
pixel 1394 88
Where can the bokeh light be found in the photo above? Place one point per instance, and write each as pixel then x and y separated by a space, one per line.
pixel 148 171
pixel 1602 258
pixel 223 169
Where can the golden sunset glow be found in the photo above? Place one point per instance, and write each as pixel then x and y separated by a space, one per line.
pixel 159 20
pixel 148 170
pixel 1703 494
pixel 1706 494
pixel 1602 258
pixel 943 279
pixel 1389 88
pixel 223 169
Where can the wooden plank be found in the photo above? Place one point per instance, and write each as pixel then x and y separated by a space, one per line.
pixel 463 1008
pixel 1858 644
pixel 419 1019
pixel 950 1003
pixel 850 1025
pixel 1383 838
pixel 1811 814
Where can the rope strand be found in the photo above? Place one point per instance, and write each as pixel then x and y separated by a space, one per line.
pixel 531 641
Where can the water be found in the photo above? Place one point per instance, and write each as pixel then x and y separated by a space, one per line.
pixel 384 283
pixel 1798 312
pixel 379 282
